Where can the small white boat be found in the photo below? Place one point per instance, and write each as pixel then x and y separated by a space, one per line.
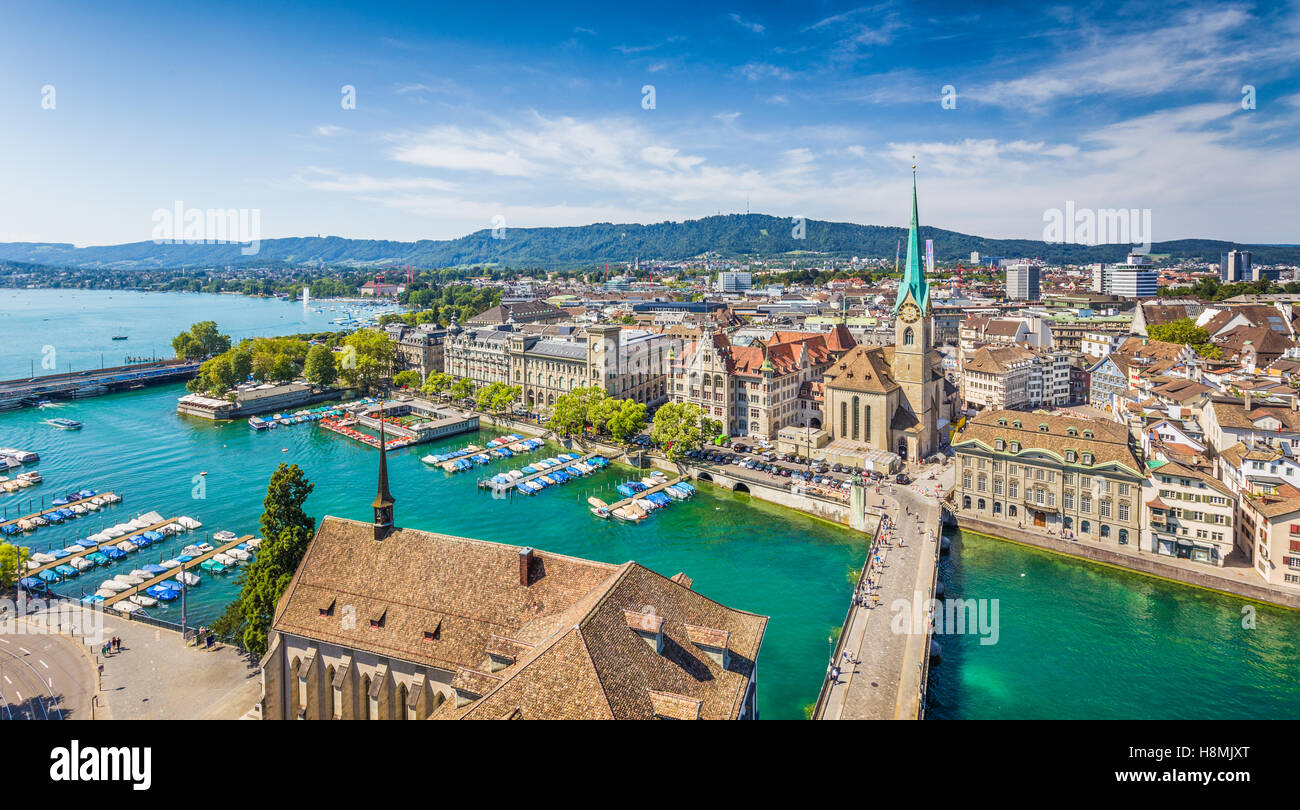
pixel 188 578
pixel 142 600
pixel 255 542
pixel 113 585
pixel 127 606
pixel 224 536
pixel 104 593
pixel 127 579
pixel 169 564
pixel 128 546
pixel 142 574
pixel 80 563
pixel 189 522
pixel 239 554
pixel 224 559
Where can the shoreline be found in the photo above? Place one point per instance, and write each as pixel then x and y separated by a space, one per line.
pixel 1168 574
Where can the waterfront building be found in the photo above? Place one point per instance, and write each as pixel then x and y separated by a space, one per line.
pixel 893 397
pixel 420 348
pixel 251 399
pixel 381 622
pixel 379 289
pixel 759 388
pixel 1063 474
pixel 1267 485
pixel 478 354
pixel 1191 514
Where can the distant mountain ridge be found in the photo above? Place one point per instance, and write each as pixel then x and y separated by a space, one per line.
pixel 729 236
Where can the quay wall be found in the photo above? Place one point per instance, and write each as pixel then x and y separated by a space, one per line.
pixel 1147 564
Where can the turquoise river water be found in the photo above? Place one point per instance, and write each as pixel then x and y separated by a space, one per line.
pixel 1074 640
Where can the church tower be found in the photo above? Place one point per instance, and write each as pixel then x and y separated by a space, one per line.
pixel 913 339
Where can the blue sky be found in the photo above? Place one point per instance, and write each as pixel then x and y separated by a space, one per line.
pixel 466 112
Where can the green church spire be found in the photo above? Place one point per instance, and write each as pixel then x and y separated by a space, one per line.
pixel 913 271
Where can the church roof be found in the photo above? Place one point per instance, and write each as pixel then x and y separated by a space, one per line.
pixel 867 369
pixel 448 602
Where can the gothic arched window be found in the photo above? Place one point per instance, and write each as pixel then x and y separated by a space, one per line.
pixel 908 337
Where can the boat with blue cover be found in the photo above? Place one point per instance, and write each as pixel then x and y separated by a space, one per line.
pixel 66 571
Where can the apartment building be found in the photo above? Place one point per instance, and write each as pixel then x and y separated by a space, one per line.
pixel 1191 514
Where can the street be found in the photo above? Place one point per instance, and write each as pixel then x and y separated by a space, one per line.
pixel 44 677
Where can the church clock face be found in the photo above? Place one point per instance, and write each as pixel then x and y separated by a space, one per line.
pixel 910 312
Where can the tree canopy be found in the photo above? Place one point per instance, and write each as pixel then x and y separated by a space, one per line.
pixel 286 532
pixel 1185 331
pixel 367 357
pixel 680 427
pixel 199 341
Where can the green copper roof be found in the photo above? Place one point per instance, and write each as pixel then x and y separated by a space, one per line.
pixel 914 272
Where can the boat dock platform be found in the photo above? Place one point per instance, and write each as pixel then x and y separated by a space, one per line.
pixel 640 495
pixel 31 572
pixel 74 384
pixel 171 574
pixel 57 508
pixel 488 483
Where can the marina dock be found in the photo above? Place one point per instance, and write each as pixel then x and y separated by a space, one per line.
pixel 641 495
pixel 31 572
pixel 57 508
pixel 171 574
pixel 487 483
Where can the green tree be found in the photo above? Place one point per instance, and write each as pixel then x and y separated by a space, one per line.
pixel 462 388
pixel 286 532
pixel 437 383
pixel 199 341
pixel 407 379
pixel 367 357
pixel 283 368
pixel 11 561
pixel 319 367
pixel 573 411
pixel 1185 331
pixel 680 427
pixel 628 421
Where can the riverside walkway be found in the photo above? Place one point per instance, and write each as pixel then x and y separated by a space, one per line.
pixel 885 680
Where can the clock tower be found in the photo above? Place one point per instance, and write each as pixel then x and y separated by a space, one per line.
pixel 913 344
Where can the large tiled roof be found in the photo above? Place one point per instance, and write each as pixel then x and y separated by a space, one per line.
pixel 576 656
pixel 996 359
pixel 868 369
pixel 1109 442
pixel 1234 415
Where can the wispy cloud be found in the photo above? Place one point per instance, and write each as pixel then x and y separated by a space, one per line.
pixel 748 24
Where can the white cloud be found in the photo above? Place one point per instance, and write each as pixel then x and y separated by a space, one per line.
pixel 329 130
pixel 748 24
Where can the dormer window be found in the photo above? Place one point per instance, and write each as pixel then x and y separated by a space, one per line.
pixel 377 619
pixel 1042 428
pixel 1016 423
pixel 1070 456
pixel 1087 458
pixel 1087 434
pixel 326 607
pixel 1072 431
pixel 1002 422
pixel 1015 447
pixel 999 444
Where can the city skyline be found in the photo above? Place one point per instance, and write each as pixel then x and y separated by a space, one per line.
pixel 543 119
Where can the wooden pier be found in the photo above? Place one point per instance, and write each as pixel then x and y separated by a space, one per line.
pixel 641 495
pixel 490 484
pixel 57 508
pixel 91 549
pixel 171 574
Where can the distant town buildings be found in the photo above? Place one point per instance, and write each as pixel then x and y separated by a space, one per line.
pixel 1023 282
pixel 1136 278
pixel 734 281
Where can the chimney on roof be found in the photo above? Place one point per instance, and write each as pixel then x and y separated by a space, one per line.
pixel 1246 401
pixel 525 565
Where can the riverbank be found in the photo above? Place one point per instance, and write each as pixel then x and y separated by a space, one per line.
pixel 1183 572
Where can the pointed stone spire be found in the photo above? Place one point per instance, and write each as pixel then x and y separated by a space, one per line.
pixel 913 271
pixel 383 504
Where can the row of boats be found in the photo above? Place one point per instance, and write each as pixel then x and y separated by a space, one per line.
pixel 639 508
pixel 71 506
pixel 554 471
pixel 296 418
pixel 22 480
pixel 472 455
pixel 104 547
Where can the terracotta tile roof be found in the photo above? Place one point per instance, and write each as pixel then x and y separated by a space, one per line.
pixel 674 707
pixel 1234 415
pixel 1109 442
pixel 576 656
pixel 996 359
